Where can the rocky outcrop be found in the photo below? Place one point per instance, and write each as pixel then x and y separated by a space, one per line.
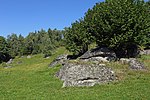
pixel 135 64
pixel 74 74
pixel 59 60
pixel 96 59
pixel 28 56
pixel 9 62
pixel 145 52
pixel 124 61
pixel 104 53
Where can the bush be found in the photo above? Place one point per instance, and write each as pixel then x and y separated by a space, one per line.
pixel 47 54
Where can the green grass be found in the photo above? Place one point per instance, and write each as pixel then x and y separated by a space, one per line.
pixel 33 80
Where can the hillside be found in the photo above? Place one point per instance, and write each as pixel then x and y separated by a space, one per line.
pixel 32 79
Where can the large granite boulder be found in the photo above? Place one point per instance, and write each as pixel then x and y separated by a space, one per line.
pixel 75 74
pixel 100 52
pixel 135 64
pixel 59 60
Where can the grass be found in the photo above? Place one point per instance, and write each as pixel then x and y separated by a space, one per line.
pixel 33 80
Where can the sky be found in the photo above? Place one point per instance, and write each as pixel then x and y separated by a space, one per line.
pixel 24 16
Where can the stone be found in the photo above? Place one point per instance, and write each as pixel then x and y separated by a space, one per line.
pixel 8 67
pixel 96 59
pixel 145 52
pixel 47 57
pixel 9 62
pixel 135 64
pixel 75 74
pixel 104 53
pixel 59 60
pixel 124 61
pixel 100 59
pixel 28 56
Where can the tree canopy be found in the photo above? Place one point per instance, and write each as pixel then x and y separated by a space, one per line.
pixel 36 42
pixel 121 25
pixel 4 56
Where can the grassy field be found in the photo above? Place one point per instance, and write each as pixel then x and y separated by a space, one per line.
pixel 33 80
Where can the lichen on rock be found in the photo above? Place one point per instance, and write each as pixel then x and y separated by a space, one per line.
pixel 85 74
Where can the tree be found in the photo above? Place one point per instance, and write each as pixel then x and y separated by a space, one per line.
pixel 4 54
pixel 148 5
pixel 76 38
pixel 55 37
pixel 21 45
pixel 13 44
pixel 46 44
pixel 32 44
pixel 120 25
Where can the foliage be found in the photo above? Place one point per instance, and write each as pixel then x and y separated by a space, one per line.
pixel 122 25
pixel 36 42
pixel 16 45
pixel 119 24
pixel 76 38
pixel 3 64
pixel 4 55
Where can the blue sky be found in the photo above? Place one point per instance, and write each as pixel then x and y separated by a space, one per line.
pixel 24 16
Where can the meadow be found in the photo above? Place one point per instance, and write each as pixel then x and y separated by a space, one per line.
pixel 33 80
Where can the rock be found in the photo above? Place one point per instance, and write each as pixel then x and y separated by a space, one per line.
pixel 72 57
pixel 28 56
pixel 59 60
pixel 100 59
pixel 9 62
pixel 84 74
pixel 47 57
pixel 124 61
pixel 96 59
pixel 145 52
pixel 8 67
pixel 99 52
pixel 135 64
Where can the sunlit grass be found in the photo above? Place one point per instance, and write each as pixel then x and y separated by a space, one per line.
pixel 33 80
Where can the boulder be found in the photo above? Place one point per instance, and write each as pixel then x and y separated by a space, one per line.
pixel 135 64
pixel 99 52
pixel 59 60
pixel 124 61
pixel 28 56
pixel 9 62
pixel 47 57
pixel 145 52
pixel 75 74
pixel 96 59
